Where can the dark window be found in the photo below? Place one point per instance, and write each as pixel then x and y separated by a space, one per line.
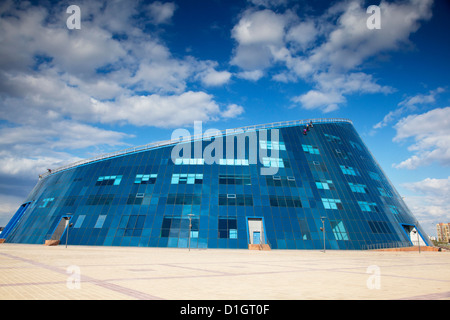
pixel 227 228
pixel 235 200
pixel 235 179
pixel 184 198
pixel 287 201
pixel 179 227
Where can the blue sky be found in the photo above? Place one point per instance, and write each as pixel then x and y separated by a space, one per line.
pixel 138 70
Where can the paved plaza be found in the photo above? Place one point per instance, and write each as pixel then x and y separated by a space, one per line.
pixel 94 273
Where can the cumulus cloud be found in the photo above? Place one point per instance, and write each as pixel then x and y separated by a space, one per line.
pixel 9 206
pixel 325 50
pixel 210 77
pixel 158 110
pixel 409 104
pixel 430 201
pixel 64 93
pixel 253 75
pixel 232 111
pixel 61 74
pixel 314 99
pixel 430 132
pixel 257 33
pixel 161 12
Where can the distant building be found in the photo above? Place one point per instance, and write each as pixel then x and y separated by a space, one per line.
pixel 443 232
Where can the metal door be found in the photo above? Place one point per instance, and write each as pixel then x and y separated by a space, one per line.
pixel 256 237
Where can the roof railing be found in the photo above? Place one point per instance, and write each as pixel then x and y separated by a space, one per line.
pixel 158 144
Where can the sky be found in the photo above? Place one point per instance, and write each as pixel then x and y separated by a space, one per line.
pixel 116 74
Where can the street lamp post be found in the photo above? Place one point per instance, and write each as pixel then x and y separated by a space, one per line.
pixel 68 225
pixel 418 239
pixel 323 230
pixel 190 215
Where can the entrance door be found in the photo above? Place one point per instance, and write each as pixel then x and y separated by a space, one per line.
pixel 14 220
pixel 60 228
pixel 256 231
pixel 256 237
pixel 414 236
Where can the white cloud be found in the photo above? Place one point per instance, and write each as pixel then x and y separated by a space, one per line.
pixel 269 3
pixel 161 12
pixel 158 110
pixel 256 33
pixel 302 35
pixel 437 187
pixel 351 42
pixel 62 92
pixel 431 134
pixel 254 75
pixel 430 201
pixel 421 98
pixel 232 111
pixel 67 79
pixel 216 78
pixel 260 27
pixel 325 50
pixel 409 104
pixel 9 206
pixel 209 76
pixel 314 99
pixel 331 89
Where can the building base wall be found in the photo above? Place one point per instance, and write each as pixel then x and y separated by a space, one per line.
pixel 414 248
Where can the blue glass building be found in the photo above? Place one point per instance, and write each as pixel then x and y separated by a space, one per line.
pixel 281 184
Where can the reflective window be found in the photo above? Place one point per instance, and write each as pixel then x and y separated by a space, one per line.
pixel 375 176
pixel 178 227
pixel 279 181
pixel 349 170
pixel 368 206
pixel 227 228
pixel 184 161
pixel 340 154
pixel 273 162
pixel 145 178
pixel 132 225
pixel 331 138
pixel 325 184
pixel 355 145
pixel 272 145
pixel 360 188
pixel 79 222
pixel 285 201
pixel 306 235
pixel 383 192
pixel 379 227
pixel 100 220
pixel 233 162
pixel 183 199
pixel 108 180
pixel 187 178
pixel 46 202
pixel 243 179
pixel 235 200
pixel 310 149
pixel 95 200
pixel 332 204
pixel 393 209
pixel 339 230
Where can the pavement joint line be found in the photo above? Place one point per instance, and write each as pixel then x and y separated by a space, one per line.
pixel 127 291
pixel 431 296
pixel 136 273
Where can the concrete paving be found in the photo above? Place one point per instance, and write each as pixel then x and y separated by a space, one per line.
pixel 30 272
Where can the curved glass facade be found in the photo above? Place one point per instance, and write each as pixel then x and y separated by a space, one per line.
pixel 278 185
